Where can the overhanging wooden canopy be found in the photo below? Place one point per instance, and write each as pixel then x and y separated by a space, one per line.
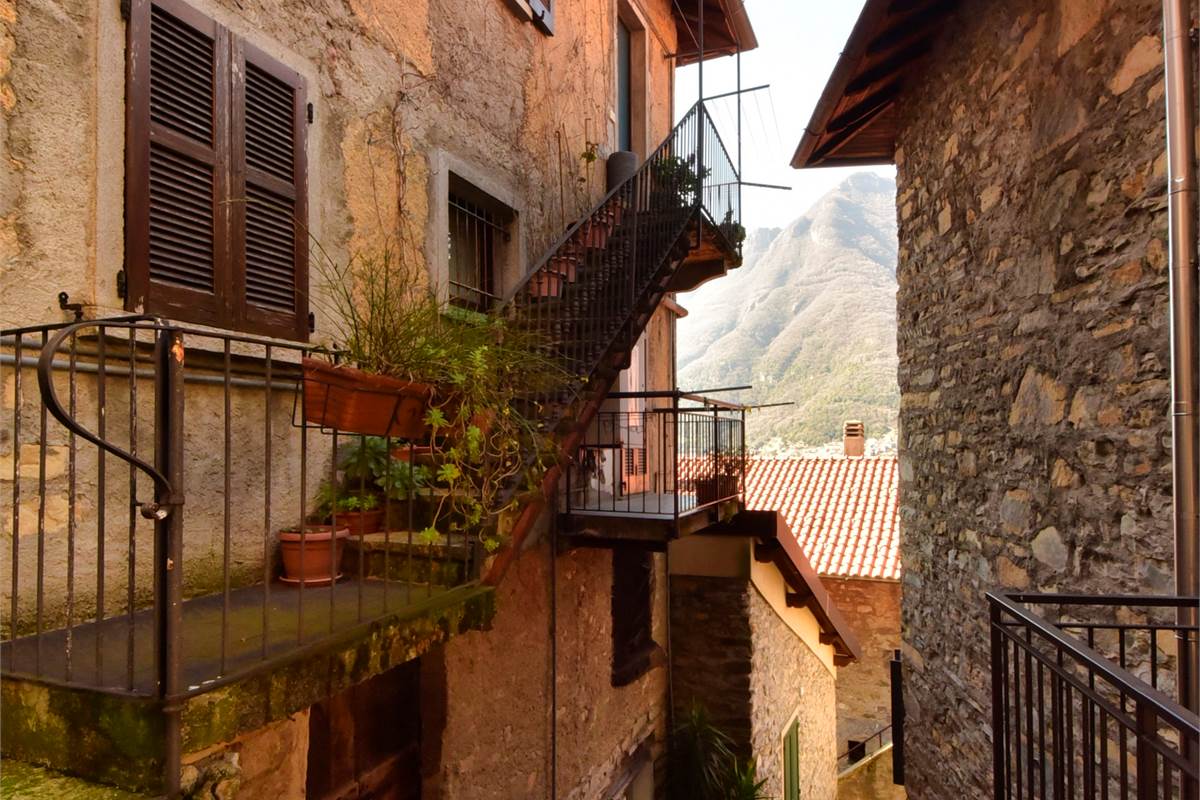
pixel 727 29
pixel 855 121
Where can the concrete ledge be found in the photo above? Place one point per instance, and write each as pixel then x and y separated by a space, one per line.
pixel 118 740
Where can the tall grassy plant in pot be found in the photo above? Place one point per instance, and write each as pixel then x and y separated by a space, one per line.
pixel 385 324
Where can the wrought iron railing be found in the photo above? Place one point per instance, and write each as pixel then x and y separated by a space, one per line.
pixel 1080 704
pixel 666 456
pixel 150 478
pixel 591 294
pixel 858 749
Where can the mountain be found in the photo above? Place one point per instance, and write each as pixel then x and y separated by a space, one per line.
pixel 810 317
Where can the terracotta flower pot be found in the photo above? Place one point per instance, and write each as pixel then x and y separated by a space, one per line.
pixel 565 265
pixel 545 283
pixel 354 401
pixel 595 232
pixel 402 453
pixel 320 564
pixel 360 522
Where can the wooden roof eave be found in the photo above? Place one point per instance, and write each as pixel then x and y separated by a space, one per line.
pixel 854 122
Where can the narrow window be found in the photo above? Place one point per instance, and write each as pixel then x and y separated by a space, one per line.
pixel 479 230
pixel 624 89
pixel 791 761
pixel 215 202
pixel 633 643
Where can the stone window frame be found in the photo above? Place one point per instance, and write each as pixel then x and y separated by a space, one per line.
pixel 637 767
pixel 510 256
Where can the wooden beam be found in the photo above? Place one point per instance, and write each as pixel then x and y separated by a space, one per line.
pixel 864 108
pixel 841 661
pixel 922 23
pixel 799 599
pixel 839 139
pixel 829 638
pixel 764 552
pixel 889 66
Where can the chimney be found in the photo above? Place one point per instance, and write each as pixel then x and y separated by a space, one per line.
pixel 854 438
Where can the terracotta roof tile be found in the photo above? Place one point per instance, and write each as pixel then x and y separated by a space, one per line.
pixel 842 510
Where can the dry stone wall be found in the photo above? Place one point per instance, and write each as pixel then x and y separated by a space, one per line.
pixel 1033 342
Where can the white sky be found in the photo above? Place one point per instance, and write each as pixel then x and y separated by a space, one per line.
pixel 798 44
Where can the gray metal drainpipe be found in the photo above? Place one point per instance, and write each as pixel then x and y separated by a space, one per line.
pixel 1181 177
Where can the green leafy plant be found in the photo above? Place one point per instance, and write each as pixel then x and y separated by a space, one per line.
pixel 486 432
pixel 703 765
pixel 677 180
pixel 330 500
pixel 742 783
pixel 733 231
pixel 700 756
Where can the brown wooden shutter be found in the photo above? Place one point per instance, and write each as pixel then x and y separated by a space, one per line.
pixel 177 262
pixel 269 174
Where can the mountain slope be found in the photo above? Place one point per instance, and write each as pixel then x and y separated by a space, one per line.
pixel 810 318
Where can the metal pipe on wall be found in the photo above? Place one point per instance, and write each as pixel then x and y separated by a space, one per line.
pixel 1182 208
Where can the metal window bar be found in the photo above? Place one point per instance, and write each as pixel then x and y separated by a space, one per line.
pixel 472 247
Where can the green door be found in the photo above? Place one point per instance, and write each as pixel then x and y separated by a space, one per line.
pixel 791 762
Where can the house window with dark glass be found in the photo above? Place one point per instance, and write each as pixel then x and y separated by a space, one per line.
pixel 632 597
pixel 215 181
pixel 478 238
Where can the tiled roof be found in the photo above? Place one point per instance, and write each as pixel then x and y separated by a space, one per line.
pixel 842 510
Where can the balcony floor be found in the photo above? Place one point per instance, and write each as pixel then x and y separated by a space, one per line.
pixel 203 621
pixel 642 505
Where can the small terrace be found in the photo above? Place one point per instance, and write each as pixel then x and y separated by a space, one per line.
pixel 668 458
pixel 1081 703
pixel 159 592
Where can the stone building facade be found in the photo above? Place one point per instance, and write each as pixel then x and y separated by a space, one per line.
pixel 401 99
pixel 1033 340
pixel 872 609
pixel 758 664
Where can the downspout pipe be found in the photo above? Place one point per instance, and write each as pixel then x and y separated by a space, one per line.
pixel 1185 319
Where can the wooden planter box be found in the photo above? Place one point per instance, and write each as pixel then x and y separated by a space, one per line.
pixel 350 400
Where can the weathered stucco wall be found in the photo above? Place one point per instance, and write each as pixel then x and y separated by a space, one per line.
pixel 402 93
pixel 497 736
pixel 1032 313
pixel 787 681
pixel 864 700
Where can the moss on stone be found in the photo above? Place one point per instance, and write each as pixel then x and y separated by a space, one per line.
pixel 27 782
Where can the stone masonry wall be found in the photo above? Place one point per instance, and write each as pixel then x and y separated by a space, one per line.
pixel 712 652
pixel 732 653
pixel 495 741
pixel 1032 311
pixel 788 680
pixel 864 688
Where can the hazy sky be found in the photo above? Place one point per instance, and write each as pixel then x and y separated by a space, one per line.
pixel 798 44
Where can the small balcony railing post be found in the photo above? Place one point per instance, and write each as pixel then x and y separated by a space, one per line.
pixel 999 745
pixel 168 542
pixel 1147 763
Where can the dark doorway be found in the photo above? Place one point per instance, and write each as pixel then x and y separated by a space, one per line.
pixel 365 743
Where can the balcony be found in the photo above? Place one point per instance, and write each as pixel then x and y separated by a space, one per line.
pixel 149 471
pixel 667 458
pixel 1081 703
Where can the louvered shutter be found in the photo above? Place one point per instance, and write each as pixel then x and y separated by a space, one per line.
pixel 177 258
pixel 271 257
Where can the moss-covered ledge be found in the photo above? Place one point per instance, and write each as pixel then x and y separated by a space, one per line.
pixel 118 740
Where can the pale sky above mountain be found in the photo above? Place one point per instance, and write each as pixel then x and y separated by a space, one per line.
pixel 798 45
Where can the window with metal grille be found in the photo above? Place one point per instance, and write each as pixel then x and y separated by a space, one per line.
pixel 632 596
pixel 478 233
pixel 215 203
